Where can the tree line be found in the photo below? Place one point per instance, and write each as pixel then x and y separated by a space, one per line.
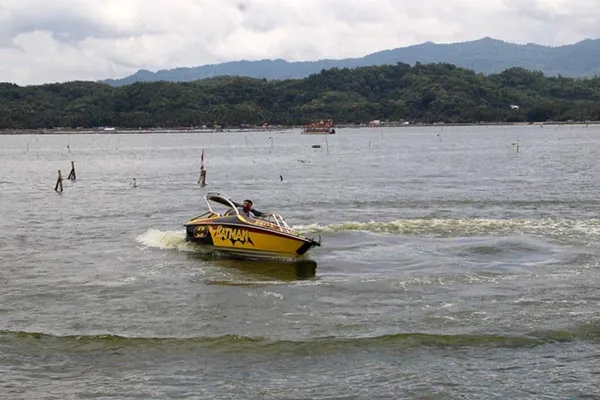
pixel 423 93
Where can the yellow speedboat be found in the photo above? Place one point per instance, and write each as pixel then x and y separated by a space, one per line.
pixel 265 235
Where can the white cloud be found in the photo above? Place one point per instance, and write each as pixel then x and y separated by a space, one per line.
pixel 59 40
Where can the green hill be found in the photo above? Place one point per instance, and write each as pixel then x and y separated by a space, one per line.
pixel 421 93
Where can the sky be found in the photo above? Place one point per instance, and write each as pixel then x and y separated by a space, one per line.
pixel 44 41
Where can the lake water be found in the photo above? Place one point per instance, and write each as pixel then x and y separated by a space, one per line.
pixel 456 263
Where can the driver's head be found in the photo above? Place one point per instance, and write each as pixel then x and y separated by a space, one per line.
pixel 247 205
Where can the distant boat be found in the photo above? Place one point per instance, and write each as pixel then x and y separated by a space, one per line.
pixel 319 127
pixel 109 128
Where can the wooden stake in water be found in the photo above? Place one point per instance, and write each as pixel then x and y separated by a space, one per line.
pixel 516 144
pixel 327 145
pixel 202 179
pixel 72 175
pixel 59 185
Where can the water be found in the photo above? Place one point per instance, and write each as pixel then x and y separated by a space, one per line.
pixel 453 266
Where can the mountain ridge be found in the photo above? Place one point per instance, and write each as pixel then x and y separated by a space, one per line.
pixel 486 55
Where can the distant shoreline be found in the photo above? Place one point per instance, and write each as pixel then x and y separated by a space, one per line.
pixel 179 130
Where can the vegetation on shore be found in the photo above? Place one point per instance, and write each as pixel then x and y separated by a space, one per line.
pixel 424 93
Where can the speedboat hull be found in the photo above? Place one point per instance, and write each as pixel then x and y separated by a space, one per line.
pixel 239 235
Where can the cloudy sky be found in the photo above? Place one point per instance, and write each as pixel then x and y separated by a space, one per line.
pixel 59 40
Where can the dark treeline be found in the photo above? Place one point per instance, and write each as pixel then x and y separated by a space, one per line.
pixel 423 93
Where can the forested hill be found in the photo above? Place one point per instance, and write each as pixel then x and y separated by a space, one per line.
pixel 421 93
pixel 485 55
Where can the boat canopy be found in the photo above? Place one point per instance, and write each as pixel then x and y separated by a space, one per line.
pixel 227 202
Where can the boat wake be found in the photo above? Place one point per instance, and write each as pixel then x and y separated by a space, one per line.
pixel 587 231
pixel 315 345
pixel 589 228
pixel 167 240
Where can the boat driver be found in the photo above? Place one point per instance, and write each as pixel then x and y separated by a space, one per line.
pixel 245 209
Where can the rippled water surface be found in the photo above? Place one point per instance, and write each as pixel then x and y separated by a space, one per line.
pixel 457 262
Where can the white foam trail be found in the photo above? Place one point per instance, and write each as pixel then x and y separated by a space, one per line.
pixel 477 226
pixel 559 228
pixel 166 240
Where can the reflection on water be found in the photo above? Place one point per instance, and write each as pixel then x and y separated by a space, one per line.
pixel 283 270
